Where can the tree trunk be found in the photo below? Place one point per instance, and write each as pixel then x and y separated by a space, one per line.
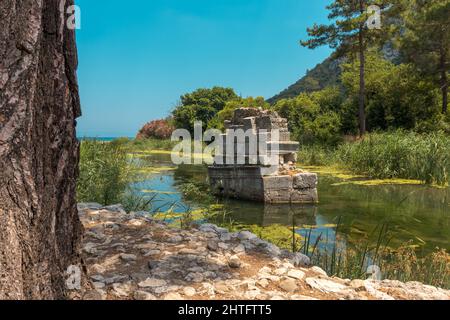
pixel 362 82
pixel 39 226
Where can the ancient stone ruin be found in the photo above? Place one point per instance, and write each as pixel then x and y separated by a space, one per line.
pixel 260 166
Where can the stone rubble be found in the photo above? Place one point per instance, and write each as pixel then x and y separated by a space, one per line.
pixel 134 257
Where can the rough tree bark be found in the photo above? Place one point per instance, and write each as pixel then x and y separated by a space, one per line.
pixel 39 102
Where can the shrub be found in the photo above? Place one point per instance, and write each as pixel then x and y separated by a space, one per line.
pixel 159 129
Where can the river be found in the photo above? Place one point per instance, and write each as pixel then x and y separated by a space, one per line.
pixel 416 213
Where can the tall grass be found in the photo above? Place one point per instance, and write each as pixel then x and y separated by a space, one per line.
pixel 340 258
pixel 397 154
pixel 106 176
pixel 104 172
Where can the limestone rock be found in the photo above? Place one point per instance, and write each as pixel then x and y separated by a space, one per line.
pixel 325 285
pixel 189 291
pixel 234 262
pixel 296 274
pixel 128 257
pixel 288 285
pixel 151 283
pixel 143 296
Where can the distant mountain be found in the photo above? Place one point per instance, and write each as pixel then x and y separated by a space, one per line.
pixel 324 74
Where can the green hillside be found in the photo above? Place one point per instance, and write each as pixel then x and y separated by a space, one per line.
pixel 324 74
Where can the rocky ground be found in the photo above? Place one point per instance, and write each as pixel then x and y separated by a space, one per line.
pixel 131 256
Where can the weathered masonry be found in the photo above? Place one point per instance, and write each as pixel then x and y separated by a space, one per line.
pixel 260 166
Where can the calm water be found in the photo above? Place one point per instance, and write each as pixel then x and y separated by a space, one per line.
pixel 417 213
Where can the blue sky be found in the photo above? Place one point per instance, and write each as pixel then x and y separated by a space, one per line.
pixel 137 57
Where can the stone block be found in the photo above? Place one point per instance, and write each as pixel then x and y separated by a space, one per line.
pixel 278 182
pixel 305 181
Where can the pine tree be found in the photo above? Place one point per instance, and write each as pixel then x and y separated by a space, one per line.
pixel 350 36
pixel 424 40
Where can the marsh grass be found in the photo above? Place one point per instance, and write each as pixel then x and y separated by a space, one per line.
pixel 352 260
pixel 106 173
pixel 389 155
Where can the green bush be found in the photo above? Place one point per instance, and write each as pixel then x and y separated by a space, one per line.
pixel 309 122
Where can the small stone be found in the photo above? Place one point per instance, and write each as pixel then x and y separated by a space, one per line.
pixel 277 298
pixel 128 257
pixel 246 235
pixel 173 296
pixel 121 289
pixel 300 260
pixel 143 296
pixel 325 285
pixel 174 239
pixel 90 248
pixel 152 283
pixel 280 271
pixel 154 252
pixel 223 246
pixel 98 285
pixel 319 271
pixel 97 268
pixel 288 285
pixel 239 249
pixel 301 297
pixel 152 264
pixel 296 274
pixel 194 277
pixel 187 251
pixel 221 288
pixel 263 283
pixel 189 291
pixel 98 278
pixel 234 262
pixel 212 246
pixel 94 295
pixel 358 285
pixel 226 236
pixel 136 222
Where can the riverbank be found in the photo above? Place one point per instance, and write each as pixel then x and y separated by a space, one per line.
pixel 420 158
pixel 131 256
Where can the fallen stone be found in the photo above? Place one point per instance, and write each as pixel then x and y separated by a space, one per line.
pixel 95 295
pixel 151 283
pixel 234 262
pixel 296 274
pixel 325 285
pixel 239 249
pixel 121 290
pixel 173 296
pixel 212 246
pixel 143 296
pixel 318 270
pixel 300 260
pixel 174 239
pixel 98 285
pixel 288 285
pixel 189 291
pixel 128 257
pixel 246 235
